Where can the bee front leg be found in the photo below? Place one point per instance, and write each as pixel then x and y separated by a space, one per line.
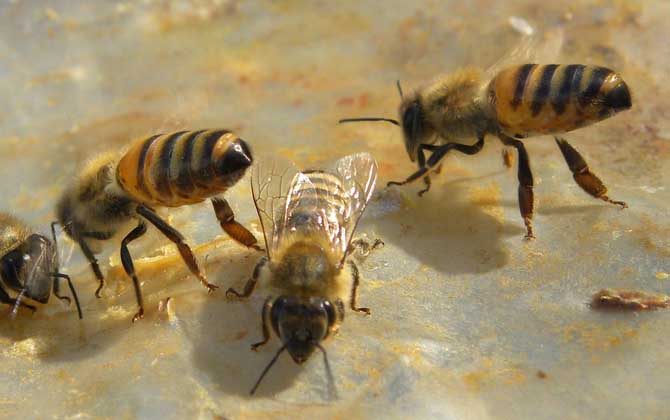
pixel 364 247
pixel 583 176
pixel 226 217
pixel 265 315
pixel 176 237
pixel 356 279
pixel 86 250
pixel 129 267
pixel 57 277
pixel 423 170
pixel 251 283
pixel 435 159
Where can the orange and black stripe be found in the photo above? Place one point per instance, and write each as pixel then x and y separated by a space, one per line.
pixel 534 98
pixel 184 167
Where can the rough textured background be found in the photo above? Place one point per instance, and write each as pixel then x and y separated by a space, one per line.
pixel 469 320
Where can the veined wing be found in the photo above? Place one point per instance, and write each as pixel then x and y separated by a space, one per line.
pixel 534 46
pixel 358 173
pixel 271 180
pixel 328 204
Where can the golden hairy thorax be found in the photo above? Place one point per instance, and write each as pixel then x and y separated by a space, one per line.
pixel 306 266
pixel 13 233
pixel 543 99
pixel 175 169
pixel 450 94
pixel 96 176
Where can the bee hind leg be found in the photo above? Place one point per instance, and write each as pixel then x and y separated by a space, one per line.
pixel 129 267
pixel 176 237
pixel 525 176
pixel 226 217
pixel 582 175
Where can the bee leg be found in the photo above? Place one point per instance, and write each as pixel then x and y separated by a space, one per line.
pixel 267 307
pixel 5 298
pixel 226 217
pixel 176 237
pixel 251 283
pixel 129 267
pixel 583 176
pixel 525 176
pixel 356 279
pixel 422 168
pixel 94 265
pixel 57 277
pixel 436 157
pixel 508 158
pixel 364 246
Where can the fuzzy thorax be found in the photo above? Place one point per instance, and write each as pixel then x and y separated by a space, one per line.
pixel 13 233
pixel 308 266
pixel 452 104
pixel 94 202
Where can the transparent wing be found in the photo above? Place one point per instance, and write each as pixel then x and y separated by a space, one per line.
pixel 358 173
pixel 534 46
pixel 271 180
pixel 327 204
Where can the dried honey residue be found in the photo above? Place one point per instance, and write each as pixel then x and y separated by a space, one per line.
pixel 487 195
pixel 489 374
pixel 597 337
pixel 30 348
pixel 652 236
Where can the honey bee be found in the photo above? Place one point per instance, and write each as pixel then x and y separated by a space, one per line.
pixel 29 266
pixel 308 221
pixel 517 102
pixel 164 170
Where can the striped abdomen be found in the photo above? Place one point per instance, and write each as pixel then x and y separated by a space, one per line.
pixel 184 167
pixel 316 200
pixel 542 99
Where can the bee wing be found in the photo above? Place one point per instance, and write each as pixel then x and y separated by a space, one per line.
pixel 358 173
pixel 534 46
pixel 271 180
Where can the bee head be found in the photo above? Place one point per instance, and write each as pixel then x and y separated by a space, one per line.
pixel 29 267
pixel 412 122
pixel 302 324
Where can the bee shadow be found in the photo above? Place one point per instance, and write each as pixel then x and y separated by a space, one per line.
pixel 62 337
pixel 225 331
pixel 443 228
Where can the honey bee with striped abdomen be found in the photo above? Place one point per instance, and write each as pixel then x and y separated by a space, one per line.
pixel 517 102
pixel 308 221
pixel 29 266
pixel 164 170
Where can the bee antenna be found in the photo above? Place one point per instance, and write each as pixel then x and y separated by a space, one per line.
pixel 391 120
pixel 17 303
pixel 329 372
pixel 267 368
pixel 397 83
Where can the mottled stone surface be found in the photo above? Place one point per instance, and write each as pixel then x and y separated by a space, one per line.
pixel 468 319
